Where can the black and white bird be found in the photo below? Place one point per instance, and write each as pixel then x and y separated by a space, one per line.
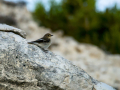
pixel 43 42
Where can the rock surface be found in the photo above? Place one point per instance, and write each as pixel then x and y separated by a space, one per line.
pixel 24 66
pixel 27 67
pixel 97 63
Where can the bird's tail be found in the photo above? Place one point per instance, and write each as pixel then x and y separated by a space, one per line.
pixel 30 42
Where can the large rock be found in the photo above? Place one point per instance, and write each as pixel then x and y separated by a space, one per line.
pixel 27 67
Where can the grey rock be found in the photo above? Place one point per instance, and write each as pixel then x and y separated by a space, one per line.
pixel 27 67
pixel 8 20
pixel 7 28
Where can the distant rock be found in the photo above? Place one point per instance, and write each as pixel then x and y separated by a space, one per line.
pixel 14 4
pixel 8 20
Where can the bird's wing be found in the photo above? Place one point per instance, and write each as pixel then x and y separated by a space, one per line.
pixel 41 40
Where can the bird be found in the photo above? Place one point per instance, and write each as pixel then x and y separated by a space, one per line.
pixel 43 42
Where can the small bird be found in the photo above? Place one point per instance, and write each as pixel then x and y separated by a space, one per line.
pixel 43 42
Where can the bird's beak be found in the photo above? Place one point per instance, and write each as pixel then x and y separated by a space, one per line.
pixel 51 35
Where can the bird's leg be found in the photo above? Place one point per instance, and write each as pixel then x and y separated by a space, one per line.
pixel 45 50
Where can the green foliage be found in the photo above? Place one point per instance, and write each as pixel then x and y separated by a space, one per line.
pixel 78 18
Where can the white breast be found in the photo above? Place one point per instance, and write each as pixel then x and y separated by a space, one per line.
pixel 43 45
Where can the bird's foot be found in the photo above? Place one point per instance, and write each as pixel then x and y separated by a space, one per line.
pixel 46 51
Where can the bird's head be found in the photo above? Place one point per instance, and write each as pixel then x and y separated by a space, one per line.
pixel 48 35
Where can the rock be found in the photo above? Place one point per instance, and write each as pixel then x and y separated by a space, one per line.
pixel 103 86
pixel 14 4
pixel 6 28
pixel 8 20
pixel 27 67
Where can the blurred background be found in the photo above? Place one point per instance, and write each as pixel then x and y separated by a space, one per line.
pixel 87 32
